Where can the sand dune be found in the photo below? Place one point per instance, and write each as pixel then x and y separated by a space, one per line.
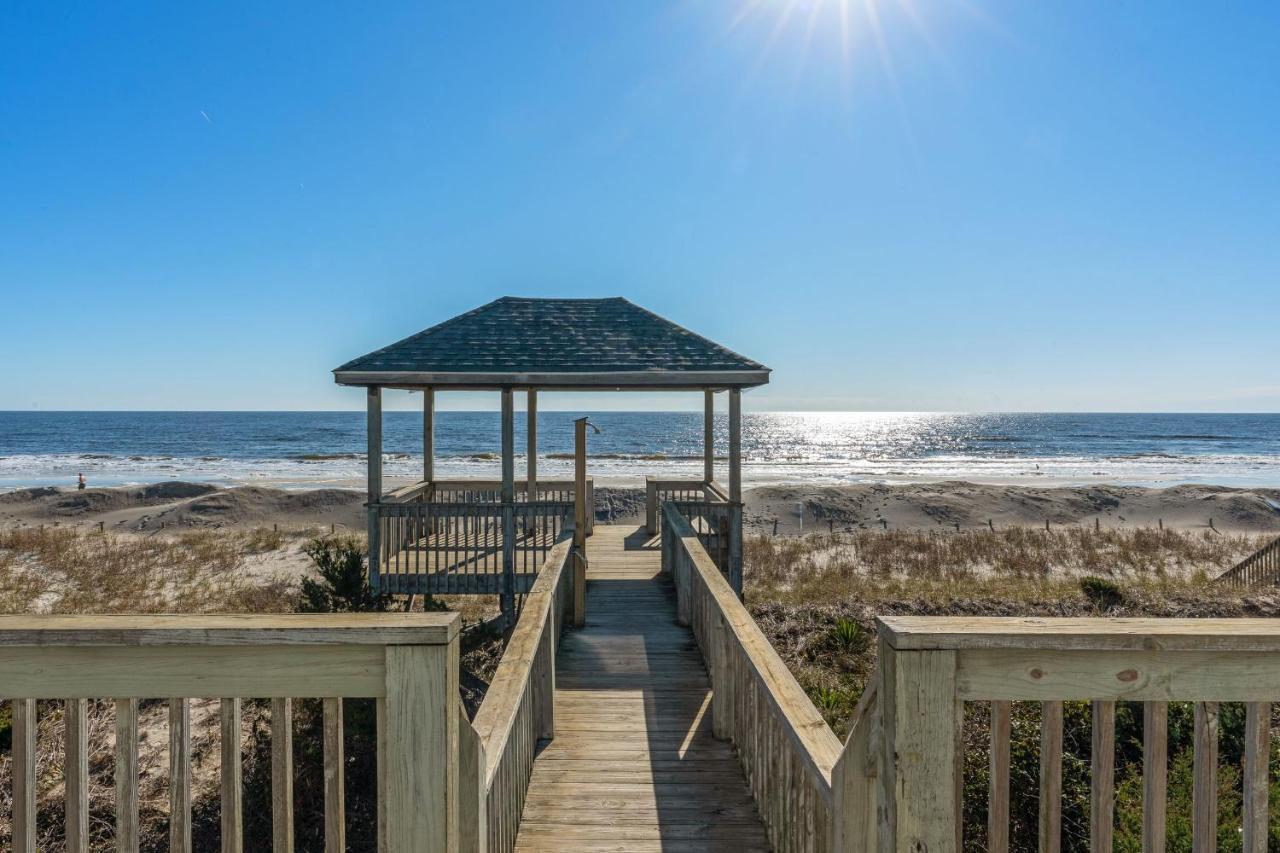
pixel 186 505
pixel 915 505
pixel 931 505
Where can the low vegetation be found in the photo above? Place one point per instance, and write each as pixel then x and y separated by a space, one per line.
pixel 816 598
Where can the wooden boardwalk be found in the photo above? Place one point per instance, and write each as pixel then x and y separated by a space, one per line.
pixel 634 766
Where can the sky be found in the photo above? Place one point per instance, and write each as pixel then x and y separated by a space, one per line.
pixel 960 205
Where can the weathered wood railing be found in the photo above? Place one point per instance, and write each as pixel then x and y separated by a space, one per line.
pixel 451 536
pixel 894 784
pixel 407 662
pixel 486 491
pixel 1261 567
pixel 498 748
pixel 786 749
pixel 930 667
pixel 687 493
pixel 453 548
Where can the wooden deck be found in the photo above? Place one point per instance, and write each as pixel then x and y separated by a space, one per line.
pixel 634 766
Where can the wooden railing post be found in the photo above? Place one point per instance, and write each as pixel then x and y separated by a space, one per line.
pixel 651 506
pixel 419 739
pixel 544 679
pixel 473 821
pixel 580 513
pixel 920 755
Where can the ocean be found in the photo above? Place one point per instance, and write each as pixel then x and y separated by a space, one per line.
pixel 311 449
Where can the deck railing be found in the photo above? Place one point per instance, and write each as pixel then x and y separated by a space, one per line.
pixel 498 749
pixel 786 749
pixel 704 505
pixel 894 785
pixel 408 663
pixel 451 536
pixel 932 666
pixel 1261 567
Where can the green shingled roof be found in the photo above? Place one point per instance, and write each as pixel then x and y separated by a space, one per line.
pixel 555 343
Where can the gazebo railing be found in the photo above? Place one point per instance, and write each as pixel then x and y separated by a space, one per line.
pixel 483 491
pixel 704 505
pixel 434 547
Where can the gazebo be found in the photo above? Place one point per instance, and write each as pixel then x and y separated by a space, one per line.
pixel 471 536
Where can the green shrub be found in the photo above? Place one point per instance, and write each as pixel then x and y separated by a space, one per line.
pixel 343 586
pixel 1102 593
pixel 848 636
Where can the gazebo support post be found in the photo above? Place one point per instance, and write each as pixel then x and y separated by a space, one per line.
pixel 735 490
pixel 428 436
pixel 507 598
pixel 374 459
pixel 532 454
pixel 708 435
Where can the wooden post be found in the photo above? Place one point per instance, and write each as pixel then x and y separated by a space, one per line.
pixel 708 435
pixel 580 522
pixel 281 775
pixel 1257 752
pixel 428 434
pixel 473 823
pixel 532 453
pixel 1155 767
pixel 418 783
pixel 1204 788
pixel 508 597
pixel 1050 777
pixel 76 773
pixel 651 506
pixel 543 673
pixel 232 787
pixel 127 775
pixel 334 764
pixel 374 459
pixel 920 752
pixel 24 775
pixel 735 490
pixel 180 775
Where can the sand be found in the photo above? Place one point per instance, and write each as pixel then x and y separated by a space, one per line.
pixel 910 506
pixel 186 506
pixel 970 505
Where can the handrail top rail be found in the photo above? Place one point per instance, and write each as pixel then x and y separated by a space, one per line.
pixel 412 490
pixel 937 633
pixel 288 629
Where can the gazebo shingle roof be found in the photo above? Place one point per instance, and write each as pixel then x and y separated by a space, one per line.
pixel 564 343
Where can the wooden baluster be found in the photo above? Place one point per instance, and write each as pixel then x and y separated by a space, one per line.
pixel 232 818
pixel 998 789
pixel 127 775
pixel 1155 771
pixel 335 810
pixel 1257 752
pixel 1102 799
pixel 24 775
pixel 282 775
pixel 1050 777
pixel 77 775
pixel 180 775
pixel 1204 794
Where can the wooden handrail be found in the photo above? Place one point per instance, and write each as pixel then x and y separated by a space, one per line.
pixel 407 662
pixel 786 748
pixel 931 666
pixel 518 707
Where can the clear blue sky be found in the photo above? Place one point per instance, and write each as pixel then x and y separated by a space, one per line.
pixel 965 205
